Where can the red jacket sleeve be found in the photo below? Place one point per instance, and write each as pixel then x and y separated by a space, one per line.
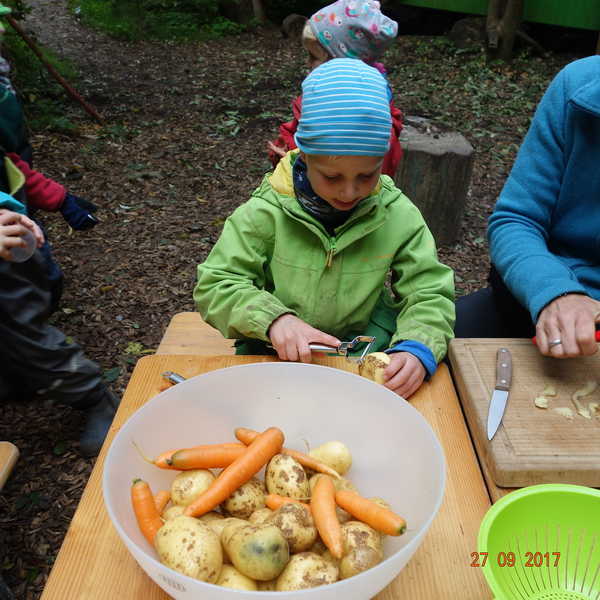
pixel 394 154
pixel 287 131
pixel 42 193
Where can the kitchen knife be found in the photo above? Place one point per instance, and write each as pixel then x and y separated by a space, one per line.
pixel 500 395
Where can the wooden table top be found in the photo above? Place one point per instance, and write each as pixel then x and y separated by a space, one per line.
pixel 93 563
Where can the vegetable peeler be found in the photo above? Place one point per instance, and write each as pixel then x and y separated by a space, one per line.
pixel 344 347
pixel 173 377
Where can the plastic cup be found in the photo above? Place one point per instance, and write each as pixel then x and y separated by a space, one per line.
pixel 20 254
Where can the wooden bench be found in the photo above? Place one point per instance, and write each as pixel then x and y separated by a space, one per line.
pixel 187 333
pixel 9 454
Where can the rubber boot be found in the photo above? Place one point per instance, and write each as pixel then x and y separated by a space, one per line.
pixel 98 420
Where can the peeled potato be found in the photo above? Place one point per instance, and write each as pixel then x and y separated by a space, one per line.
pixel 374 366
pixel 334 454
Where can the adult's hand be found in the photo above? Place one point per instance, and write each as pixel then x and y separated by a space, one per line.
pixel 290 336
pixel 572 320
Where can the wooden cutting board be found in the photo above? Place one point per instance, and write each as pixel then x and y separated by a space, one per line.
pixel 532 445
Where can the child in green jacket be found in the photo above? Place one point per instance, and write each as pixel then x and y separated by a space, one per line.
pixel 306 259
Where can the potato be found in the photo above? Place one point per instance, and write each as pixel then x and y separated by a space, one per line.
pixel 188 485
pixel 285 476
pixel 306 570
pixel 373 366
pixel 318 547
pixel 359 559
pixel 173 511
pixel 246 499
pixel 331 558
pixel 219 525
pixel 259 552
pixel 356 533
pixel 258 516
pixel 190 547
pixel 230 577
pixel 296 524
pixel 335 455
pixel 339 484
pixel 210 516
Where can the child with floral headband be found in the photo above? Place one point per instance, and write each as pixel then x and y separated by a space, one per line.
pixel 345 29
pixel 307 258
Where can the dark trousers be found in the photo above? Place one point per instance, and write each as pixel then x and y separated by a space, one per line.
pixel 34 356
pixel 492 312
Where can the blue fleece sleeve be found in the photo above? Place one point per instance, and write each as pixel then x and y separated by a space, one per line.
pixel 519 226
pixel 421 351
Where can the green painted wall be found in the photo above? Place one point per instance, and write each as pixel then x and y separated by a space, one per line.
pixel 583 14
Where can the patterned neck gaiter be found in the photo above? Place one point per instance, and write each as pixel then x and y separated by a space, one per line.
pixel 313 204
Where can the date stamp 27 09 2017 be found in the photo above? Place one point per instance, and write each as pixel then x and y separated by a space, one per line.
pixel 510 559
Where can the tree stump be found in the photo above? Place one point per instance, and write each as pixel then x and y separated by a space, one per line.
pixel 435 173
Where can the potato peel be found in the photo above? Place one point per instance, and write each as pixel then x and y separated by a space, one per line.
pixel 589 387
pixel 541 402
pixel 564 411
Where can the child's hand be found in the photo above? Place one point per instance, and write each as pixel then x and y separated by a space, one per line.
pixel 13 227
pixel 405 374
pixel 290 336
pixel 276 149
pixel 38 234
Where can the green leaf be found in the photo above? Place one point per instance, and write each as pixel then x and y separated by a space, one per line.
pixel 134 348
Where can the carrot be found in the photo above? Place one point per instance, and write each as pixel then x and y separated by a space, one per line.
pixel 145 510
pixel 160 461
pixel 274 501
pixel 247 435
pixel 241 470
pixel 206 456
pixel 379 518
pixel 161 499
pixel 322 505
pixel 209 456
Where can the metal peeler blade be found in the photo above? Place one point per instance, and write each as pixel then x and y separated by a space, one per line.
pixel 343 348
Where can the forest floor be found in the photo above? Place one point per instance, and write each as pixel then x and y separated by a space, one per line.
pixel 182 144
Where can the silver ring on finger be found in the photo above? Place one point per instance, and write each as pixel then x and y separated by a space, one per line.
pixel 556 342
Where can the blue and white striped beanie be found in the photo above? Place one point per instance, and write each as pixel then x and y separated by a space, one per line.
pixel 345 110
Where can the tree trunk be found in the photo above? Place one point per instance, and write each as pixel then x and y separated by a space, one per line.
pixel 435 173
pixel 259 10
pixel 503 20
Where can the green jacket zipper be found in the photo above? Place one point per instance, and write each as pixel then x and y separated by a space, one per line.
pixel 331 253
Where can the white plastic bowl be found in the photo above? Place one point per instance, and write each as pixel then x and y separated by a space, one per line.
pixel 396 456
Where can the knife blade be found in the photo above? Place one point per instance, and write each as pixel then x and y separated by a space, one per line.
pixel 501 389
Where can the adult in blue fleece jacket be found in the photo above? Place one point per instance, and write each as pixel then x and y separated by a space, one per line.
pixel 544 233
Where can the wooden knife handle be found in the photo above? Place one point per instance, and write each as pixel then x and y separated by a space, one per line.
pixel 503 369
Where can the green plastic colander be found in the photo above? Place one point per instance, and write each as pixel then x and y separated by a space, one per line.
pixel 543 543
